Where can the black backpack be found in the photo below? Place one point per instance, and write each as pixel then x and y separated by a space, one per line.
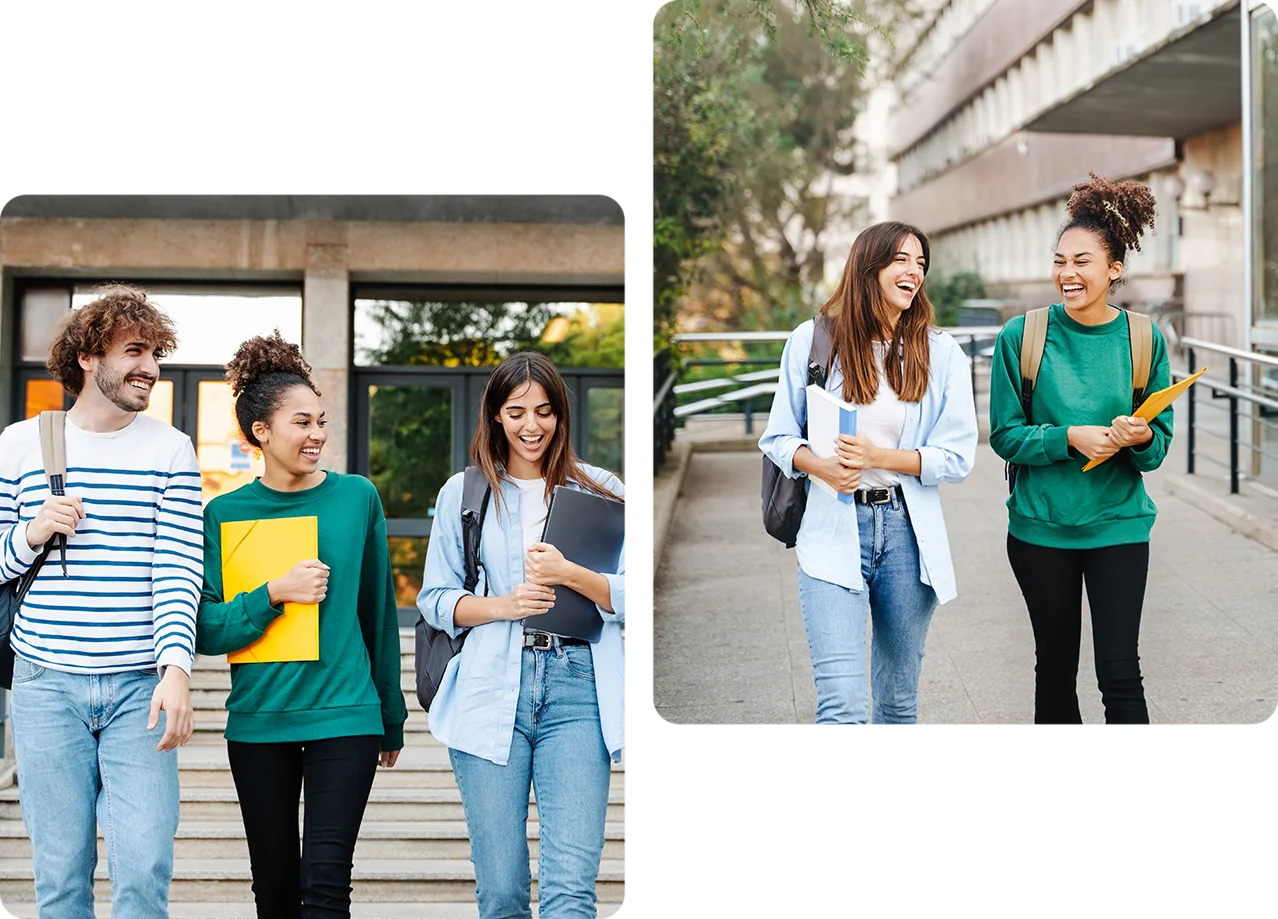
pixel 784 498
pixel 433 648
pixel 53 449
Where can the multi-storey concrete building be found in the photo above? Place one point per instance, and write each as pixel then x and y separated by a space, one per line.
pixel 1004 105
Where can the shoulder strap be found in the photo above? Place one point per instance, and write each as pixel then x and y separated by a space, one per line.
pixel 474 504
pixel 53 449
pixel 1141 332
pixel 1033 341
pixel 821 352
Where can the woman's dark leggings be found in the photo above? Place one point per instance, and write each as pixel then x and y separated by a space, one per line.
pixel 1052 582
pixel 310 877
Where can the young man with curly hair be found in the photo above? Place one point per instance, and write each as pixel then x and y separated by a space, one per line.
pixel 103 652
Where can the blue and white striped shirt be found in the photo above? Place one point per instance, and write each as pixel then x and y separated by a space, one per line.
pixel 136 562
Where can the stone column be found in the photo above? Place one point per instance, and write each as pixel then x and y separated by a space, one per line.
pixel 326 340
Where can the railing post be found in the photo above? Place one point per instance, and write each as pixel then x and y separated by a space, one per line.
pixel 1233 427
pixel 1190 452
pixel 749 413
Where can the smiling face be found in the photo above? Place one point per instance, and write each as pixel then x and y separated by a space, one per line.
pixel 126 374
pixel 1082 269
pixel 900 281
pixel 295 434
pixel 529 424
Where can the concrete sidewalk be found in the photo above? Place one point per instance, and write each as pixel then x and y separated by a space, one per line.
pixel 730 646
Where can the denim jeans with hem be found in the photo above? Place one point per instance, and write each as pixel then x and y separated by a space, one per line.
pixel 85 756
pixel 900 606
pixel 557 748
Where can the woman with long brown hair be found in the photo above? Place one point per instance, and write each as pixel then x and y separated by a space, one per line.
pixel 875 544
pixel 518 707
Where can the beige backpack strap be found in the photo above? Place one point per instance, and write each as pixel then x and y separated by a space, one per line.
pixel 53 449
pixel 1033 340
pixel 1141 332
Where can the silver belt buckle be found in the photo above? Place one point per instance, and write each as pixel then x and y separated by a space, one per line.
pixel 542 641
pixel 880 496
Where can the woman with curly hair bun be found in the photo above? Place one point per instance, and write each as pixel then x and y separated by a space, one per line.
pixel 1067 527
pixel 324 724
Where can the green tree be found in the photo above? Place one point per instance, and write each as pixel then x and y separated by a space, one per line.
pixel 754 105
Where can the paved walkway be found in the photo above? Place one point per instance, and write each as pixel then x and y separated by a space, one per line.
pixel 730 647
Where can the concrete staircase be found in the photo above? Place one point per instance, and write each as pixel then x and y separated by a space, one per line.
pixel 413 854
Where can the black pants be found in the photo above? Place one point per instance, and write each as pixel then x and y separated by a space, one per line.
pixel 1052 582
pixel 338 775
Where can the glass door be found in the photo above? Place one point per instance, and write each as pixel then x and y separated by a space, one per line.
pixel 411 437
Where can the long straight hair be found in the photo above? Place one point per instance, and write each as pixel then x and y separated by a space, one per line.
pixel 861 316
pixel 490 450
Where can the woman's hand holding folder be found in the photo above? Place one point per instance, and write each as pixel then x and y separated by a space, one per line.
pixel 544 564
pixel 305 582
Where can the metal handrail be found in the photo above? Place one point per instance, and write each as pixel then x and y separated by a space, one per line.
pixel 1230 390
pixel 1254 357
pixel 969 331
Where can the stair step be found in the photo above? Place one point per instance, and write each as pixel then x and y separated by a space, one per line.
pixel 407 804
pixel 459 910
pixel 206 765
pixel 386 880
pixel 224 839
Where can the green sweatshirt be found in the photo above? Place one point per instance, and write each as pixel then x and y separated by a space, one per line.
pixel 354 687
pixel 1085 378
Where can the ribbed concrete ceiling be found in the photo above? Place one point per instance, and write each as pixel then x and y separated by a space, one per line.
pixel 1186 86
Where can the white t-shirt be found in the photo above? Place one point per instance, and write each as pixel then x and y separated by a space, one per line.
pixel 532 509
pixel 882 421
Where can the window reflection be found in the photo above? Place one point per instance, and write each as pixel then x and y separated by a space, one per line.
pixel 450 333
pixel 212 322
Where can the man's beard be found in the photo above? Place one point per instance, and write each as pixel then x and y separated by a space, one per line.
pixel 121 394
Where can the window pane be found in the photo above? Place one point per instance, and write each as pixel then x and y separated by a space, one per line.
pixel 408 560
pixel 449 333
pixel 410 446
pixel 43 396
pixel 226 462
pixel 1264 111
pixel 606 428
pixel 212 322
pixel 41 309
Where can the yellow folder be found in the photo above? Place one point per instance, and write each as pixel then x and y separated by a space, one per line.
pixel 1155 403
pixel 257 551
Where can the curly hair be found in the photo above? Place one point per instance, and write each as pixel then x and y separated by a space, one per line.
pixel 118 310
pixel 261 372
pixel 1117 212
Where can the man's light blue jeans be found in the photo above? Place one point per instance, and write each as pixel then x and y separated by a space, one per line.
pixel 558 747
pixel 900 606
pixel 85 755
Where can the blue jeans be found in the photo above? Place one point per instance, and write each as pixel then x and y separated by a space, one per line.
pixel 558 748
pixel 85 755
pixel 900 605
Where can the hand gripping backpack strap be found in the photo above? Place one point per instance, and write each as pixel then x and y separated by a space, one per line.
pixel 1141 332
pixel 1033 341
pixel 433 649
pixel 784 498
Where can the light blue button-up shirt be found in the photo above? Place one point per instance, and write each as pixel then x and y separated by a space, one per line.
pixel 942 428
pixel 474 710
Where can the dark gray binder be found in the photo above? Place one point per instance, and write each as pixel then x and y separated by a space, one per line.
pixel 590 531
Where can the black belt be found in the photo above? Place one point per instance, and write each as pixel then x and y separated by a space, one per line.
pixel 544 641
pixel 879 495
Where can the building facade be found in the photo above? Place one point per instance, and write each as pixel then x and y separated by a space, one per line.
pixel 1003 105
pixel 401 305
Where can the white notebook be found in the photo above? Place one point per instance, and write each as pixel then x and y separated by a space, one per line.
pixel 828 417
